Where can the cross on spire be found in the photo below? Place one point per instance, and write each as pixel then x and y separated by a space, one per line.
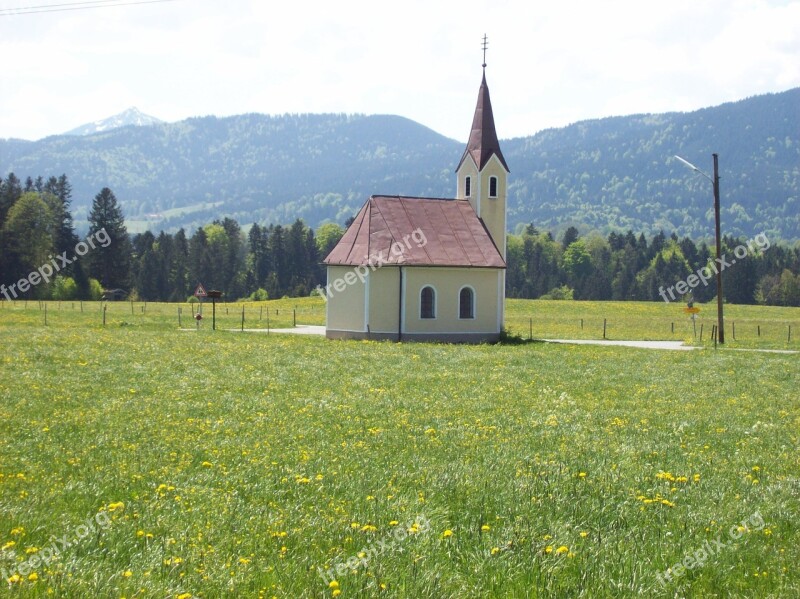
pixel 484 46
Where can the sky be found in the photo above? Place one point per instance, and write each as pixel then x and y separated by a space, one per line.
pixel 550 64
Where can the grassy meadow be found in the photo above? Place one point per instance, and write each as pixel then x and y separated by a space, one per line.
pixel 140 460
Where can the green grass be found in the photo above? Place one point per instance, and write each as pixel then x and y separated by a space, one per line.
pixel 229 464
pixel 752 326
pixel 746 327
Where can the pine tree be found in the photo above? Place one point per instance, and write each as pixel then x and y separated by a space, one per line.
pixel 179 269
pixel 111 265
pixel 571 235
pixel 199 262
pixel 65 238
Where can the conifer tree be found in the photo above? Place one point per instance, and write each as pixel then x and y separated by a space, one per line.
pixel 110 265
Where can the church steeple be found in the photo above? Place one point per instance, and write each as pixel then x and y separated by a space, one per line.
pixel 483 141
pixel 482 172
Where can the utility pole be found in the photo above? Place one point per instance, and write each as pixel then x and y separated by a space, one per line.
pixel 720 320
pixel 715 183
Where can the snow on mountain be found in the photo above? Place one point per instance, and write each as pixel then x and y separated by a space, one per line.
pixel 132 116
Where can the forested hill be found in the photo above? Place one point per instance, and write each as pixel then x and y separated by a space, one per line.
pixel 619 173
pixel 609 174
pixel 250 167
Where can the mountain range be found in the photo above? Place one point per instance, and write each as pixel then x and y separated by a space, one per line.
pixel 616 173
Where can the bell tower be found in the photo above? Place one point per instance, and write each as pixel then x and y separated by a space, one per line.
pixel 482 173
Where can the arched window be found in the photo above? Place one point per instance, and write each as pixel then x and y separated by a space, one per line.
pixel 492 187
pixel 466 303
pixel 427 303
pixel 467 187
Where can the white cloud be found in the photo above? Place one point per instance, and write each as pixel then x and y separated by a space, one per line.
pixel 550 64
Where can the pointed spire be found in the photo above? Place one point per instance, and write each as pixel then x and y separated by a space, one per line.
pixel 483 136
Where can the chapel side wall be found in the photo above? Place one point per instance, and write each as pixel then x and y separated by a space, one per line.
pixel 346 300
pixel 384 298
pixel 447 282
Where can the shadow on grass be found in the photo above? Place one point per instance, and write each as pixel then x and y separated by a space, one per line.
pixel 507 338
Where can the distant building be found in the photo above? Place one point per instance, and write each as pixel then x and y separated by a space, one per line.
pixel 428 269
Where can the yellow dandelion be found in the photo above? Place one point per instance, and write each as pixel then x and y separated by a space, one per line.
pixel 562 549
pixel 584 534
pixel 17 531
pixel 29 550
pixel 486 528
pixel 582 474
pixel 114 506
pixel 336 593
pixel 495 550
pixel 9 545
pixel 184 596
pixel 447 534
pixel 333 584
pixel 244 561
pixel 127 573
pixel 206 464
pixel 368 528
pixel 33 577
pixel 548 549
pixel 393 523
pixel 14 578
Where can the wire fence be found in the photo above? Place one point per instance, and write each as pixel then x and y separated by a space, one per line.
pixel 532 320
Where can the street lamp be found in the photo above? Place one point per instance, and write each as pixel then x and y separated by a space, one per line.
pixel 715 183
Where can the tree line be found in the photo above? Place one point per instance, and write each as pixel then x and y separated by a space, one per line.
pixel 269 261
pixel 624 266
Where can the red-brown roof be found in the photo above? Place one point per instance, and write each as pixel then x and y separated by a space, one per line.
pixel 483 136
pixel 416 232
